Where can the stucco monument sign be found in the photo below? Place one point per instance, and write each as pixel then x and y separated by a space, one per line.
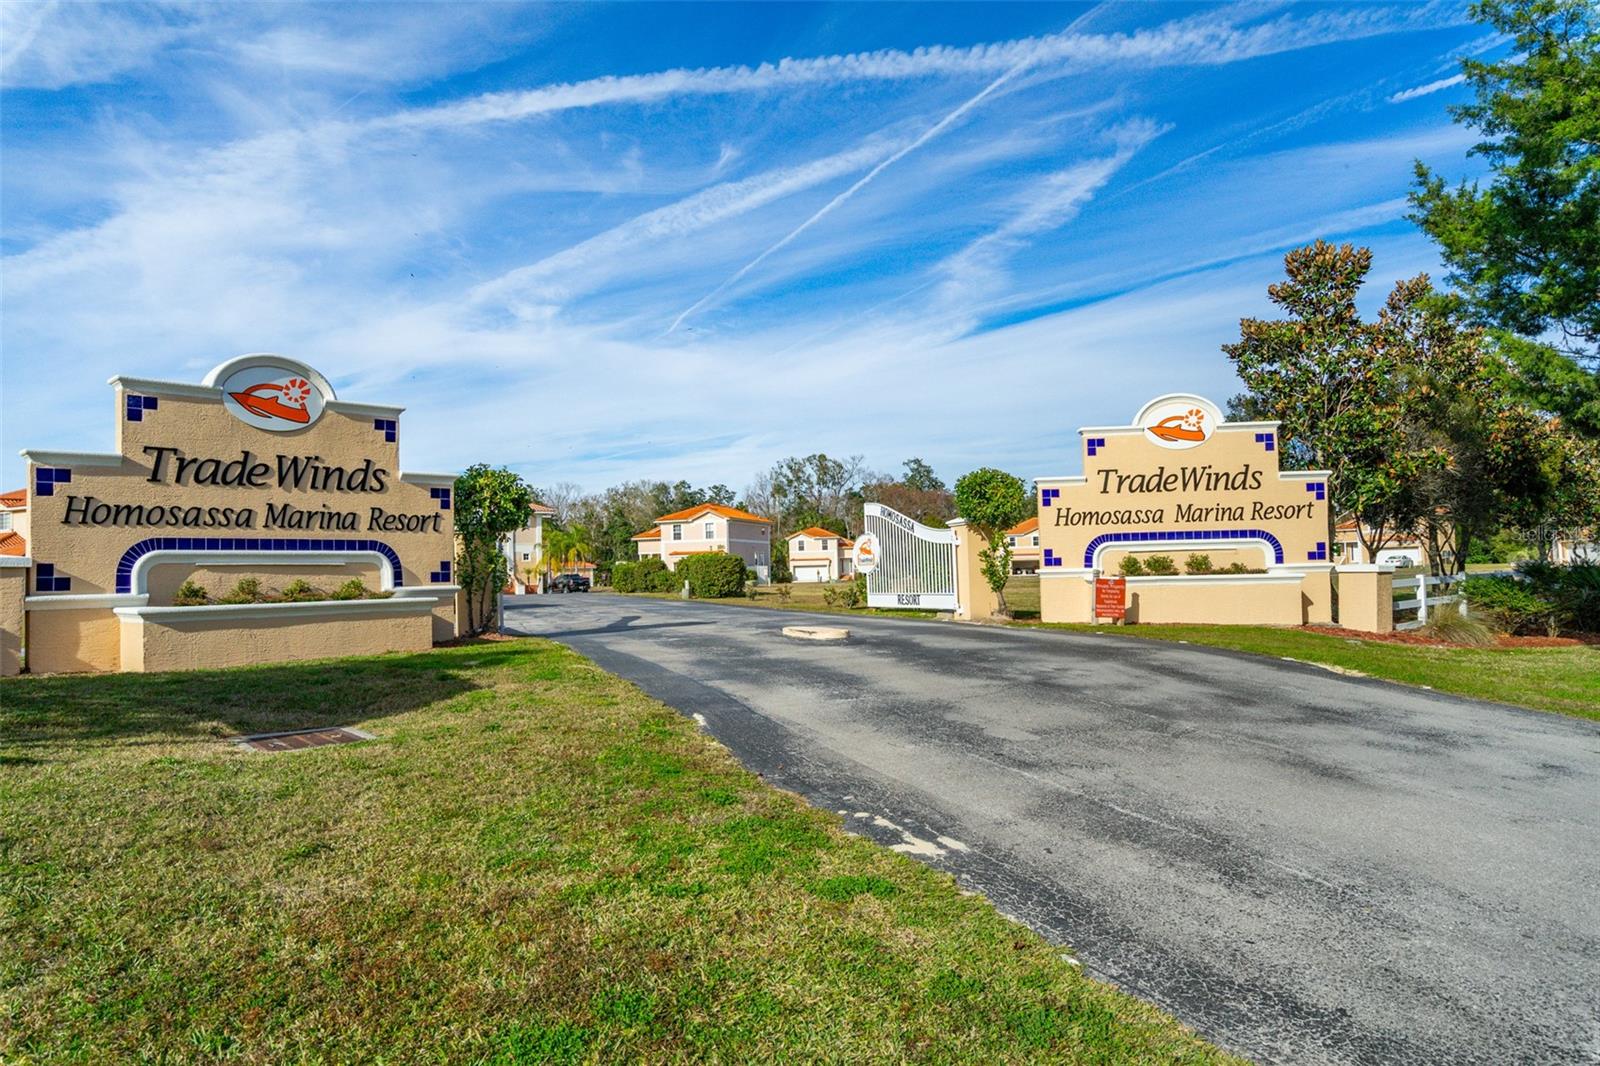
pixel 1177 482
pixel 260 471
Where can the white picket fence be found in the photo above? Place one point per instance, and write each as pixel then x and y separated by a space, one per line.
pixel 1424 599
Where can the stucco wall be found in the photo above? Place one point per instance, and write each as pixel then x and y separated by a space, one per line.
pixel 1262 600
pixel 219 580
pixel 13 587
pixel 73 641
pixel 208 637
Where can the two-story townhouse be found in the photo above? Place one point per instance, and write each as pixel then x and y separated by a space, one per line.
pixel 523 549
pixel 648 543
pixel 710 527
pixel 1023 540
pixel 817 554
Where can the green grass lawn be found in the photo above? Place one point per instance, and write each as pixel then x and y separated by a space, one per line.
pixel 1564 680
pixel 532 862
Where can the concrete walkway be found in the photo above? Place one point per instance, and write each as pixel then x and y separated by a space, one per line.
pixel 1304 867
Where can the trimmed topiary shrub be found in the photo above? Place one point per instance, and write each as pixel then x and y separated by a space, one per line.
pixel 1197 564
pixel 301 591
pixel 1131 566
pixel 713 575
pixel 662 580
pixel 639 576
pixel 1161 565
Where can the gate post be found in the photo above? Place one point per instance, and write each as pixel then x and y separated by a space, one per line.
pixel 974 598
pixel 1366 597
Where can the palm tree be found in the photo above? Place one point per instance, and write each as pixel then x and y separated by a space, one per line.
pixel 565 548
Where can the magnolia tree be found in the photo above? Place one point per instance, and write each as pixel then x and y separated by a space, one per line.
pixel 992 501
pixel 490 505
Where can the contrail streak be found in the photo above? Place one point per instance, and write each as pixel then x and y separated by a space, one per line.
pixel 929 134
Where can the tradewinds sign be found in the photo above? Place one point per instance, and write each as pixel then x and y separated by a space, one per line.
pixel 259 471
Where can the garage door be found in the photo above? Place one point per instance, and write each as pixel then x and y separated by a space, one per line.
pixel 811 573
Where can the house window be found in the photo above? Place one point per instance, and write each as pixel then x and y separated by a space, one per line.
pixel 677 532
pixel 1036 540
pixel 823 545
pixel 799 545
pixel 526 557
pixel 5 520
pixel 711 530
pixel 1012 541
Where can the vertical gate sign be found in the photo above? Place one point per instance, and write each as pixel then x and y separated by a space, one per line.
pixel 1111 597
pixel 915 566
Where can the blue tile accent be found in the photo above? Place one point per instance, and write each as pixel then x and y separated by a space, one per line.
pixel 1048 496
pixel 1051 558
pixel 1269 441
pixel 144 547
pixel 1320 554
pixel 1182 534
pixel 135 406
pixel 441 576
pixel 45 579
pixel 1318 487
pixel 443 496
pixel 46 478
pixel 387 426
pixel 1095 444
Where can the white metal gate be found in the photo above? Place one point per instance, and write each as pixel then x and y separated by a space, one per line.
pixel 916 564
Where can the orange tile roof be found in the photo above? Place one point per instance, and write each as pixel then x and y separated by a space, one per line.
pixel 814 531
pixel 14 498
pixel 12 544
pixel 541 508
pixel 653 533
pixel 689 513
pixel 1026 526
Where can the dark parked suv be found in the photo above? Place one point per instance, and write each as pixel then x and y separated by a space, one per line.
pixel 569 583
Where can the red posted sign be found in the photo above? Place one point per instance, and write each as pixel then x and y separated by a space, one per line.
pixel 1110 597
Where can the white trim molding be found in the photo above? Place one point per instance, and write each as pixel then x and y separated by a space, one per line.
pixel 40 458
pixel 82 601
pixel 319 609
pixel 141 568
pixel 184 389
pixel 1215 579
pixel 412 477
pixel 363 410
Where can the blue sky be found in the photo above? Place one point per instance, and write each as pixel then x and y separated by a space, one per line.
pixel 680 241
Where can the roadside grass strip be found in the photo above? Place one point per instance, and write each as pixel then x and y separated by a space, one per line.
pixel 531 861
pixel 1562 680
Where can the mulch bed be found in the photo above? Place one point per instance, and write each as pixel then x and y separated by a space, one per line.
pixel 1412 637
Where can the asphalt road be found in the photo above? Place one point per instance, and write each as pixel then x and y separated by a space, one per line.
pixel 1304 867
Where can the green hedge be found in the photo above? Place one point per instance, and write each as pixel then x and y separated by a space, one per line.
pixel 641 576
pixel 1511 604
pixel 713 575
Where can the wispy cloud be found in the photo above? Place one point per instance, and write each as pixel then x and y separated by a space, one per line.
pixel 1428 89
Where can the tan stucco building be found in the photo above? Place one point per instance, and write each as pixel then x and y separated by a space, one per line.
pixel 259 471
pixel 1023 540
pixel 710 527
pixel 817 554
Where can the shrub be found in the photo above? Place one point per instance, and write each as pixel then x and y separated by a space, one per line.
pixel 845 594
pixel 190 594
pixel 245 590
pixel 1510 604
pixel 354 589
pixel 639 576
pixel 1573 591
pixel 662 580
pixel 1197 564
pixel 1161 565
pixel 300 591
pixel 1131 566
pixel 713 575
pixel 783 592
pixel 1236 568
